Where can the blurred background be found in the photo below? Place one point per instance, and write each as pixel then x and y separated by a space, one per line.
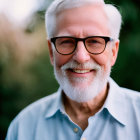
pixel 25 71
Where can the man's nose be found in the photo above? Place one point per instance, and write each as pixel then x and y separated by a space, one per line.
pixel 81 55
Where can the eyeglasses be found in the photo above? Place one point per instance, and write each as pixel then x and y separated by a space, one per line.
pixel 66 45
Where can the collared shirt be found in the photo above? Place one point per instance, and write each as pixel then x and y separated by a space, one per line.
pixel 46 119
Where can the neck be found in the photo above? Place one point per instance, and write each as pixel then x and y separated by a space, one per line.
pixel 80 112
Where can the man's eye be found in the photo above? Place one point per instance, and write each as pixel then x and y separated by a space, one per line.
pixel 67 42
pixel 93 41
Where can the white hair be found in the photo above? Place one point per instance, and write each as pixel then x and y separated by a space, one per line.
pixel 113 15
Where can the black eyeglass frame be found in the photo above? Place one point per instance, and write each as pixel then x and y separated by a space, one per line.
pixel 107 39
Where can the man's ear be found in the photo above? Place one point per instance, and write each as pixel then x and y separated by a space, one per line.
pixel 115 50
pixel 50 51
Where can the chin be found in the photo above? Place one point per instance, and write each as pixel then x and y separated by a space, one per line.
pixel 83 91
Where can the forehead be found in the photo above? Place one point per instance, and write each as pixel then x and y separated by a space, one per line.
pixel 88 18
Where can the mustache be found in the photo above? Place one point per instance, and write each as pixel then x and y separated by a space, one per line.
pixel 75 65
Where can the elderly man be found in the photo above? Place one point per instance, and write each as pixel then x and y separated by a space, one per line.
pixel 83 45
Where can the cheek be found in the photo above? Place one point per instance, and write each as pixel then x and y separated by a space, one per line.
pixel 61 59
pixel 103 59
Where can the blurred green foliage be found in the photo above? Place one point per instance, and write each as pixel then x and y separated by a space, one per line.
pixel 38 75
pixel 126 70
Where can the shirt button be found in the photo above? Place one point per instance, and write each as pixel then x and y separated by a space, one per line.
pixel 75 130
pixel 83 138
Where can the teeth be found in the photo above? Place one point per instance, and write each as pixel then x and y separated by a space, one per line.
pixel 81 71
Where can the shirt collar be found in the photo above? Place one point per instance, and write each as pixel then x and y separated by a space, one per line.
pixel 56 106
pixel 116 102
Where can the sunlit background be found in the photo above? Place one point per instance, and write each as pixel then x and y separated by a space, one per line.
pixel 19 11
pixel 25 71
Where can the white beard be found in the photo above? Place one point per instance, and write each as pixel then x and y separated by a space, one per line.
pixel 77 93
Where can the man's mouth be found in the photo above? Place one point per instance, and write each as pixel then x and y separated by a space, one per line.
pixel 81 71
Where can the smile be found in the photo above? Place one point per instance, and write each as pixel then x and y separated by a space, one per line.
pixel 81 71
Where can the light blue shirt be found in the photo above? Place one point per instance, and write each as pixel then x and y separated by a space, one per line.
pixel 119 119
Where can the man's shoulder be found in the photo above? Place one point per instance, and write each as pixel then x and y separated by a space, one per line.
pixel 37 108
pixel 128 97
pixel 32 115
pixel 132 98
pixel 131 94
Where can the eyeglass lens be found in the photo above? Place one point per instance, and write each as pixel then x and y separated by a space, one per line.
pixel 67 45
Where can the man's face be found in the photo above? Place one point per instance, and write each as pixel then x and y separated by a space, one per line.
pixel 82 75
